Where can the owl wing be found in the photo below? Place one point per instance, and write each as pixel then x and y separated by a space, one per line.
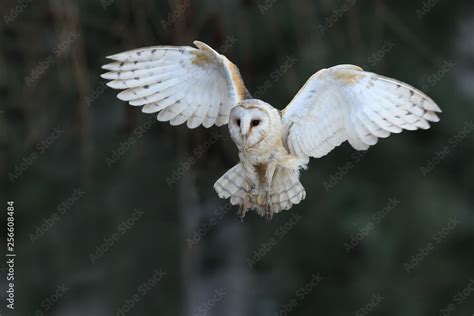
pixel 346 103
pixel 183 84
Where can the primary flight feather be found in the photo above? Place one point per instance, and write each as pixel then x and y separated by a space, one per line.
pixel 201 87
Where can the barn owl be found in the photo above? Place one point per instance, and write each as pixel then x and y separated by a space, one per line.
pixel 199 86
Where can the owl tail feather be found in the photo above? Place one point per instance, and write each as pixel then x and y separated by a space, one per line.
pixel 287 189
pixel 237 184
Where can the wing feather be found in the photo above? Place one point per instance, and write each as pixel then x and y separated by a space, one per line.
pixel 196 85
pixel 346 103
pixel 139 73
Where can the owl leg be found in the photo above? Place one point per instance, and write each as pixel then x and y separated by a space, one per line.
pixel 268 208
pixel 243 207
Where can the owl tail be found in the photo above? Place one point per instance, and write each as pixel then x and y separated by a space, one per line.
pixel 242 189
pixel 234 184
pixel 287 189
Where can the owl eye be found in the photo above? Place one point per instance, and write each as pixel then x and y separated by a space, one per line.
pixel 255 122
pixel 237 121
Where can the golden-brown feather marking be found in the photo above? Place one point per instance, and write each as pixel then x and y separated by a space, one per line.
pixel 201 58
pixel 238 82
pixel 348 77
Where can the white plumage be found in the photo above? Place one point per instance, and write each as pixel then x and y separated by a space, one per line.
pixel 183 84
pixel 347 103
pixel 201 87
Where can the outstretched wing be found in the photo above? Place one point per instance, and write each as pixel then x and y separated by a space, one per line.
pixel 183 84
pixel 346 103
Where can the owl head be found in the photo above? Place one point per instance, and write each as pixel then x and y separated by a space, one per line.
pixel 251 122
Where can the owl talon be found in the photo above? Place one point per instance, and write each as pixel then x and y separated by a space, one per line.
pixel 268 208
pixel 243 208
pixel 268 211
pixel 242 212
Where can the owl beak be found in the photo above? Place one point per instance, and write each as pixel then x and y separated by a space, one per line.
pixel 245 134
pixel 245 128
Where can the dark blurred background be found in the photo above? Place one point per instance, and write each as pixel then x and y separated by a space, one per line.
pixel 116 214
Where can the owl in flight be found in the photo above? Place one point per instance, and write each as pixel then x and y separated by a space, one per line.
pixel 201 87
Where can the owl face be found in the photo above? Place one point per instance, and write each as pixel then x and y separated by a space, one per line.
pixel 250 122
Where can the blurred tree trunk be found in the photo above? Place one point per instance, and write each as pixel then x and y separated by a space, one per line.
pixel 230 279
pixel 68 24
